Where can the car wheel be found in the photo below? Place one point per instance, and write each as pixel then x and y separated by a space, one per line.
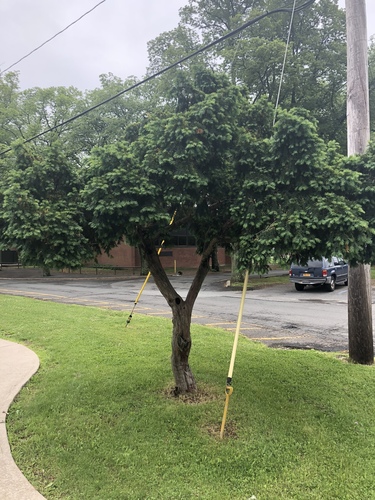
pixel 299 287
pixel 330 287
pixel 346 283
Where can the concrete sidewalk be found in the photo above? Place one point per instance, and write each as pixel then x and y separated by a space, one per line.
pixel 17 365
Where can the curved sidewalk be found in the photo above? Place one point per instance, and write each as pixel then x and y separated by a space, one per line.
pixel 17 365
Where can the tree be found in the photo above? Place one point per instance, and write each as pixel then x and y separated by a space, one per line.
pixel 307 220
pixel 214 165
pixel 315 73
pixel 365 165
pixel 26 114
pixel 169 47
pixel 41 211
pixel 108 122
pixel 9 95
pixel 40 109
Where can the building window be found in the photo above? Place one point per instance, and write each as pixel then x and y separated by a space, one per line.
pixel 182 238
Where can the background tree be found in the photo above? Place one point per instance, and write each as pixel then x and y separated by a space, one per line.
pixel 315 74
pixel 41 109
pixel 41 211
pixel 9 109
pixel 365 166
pixel 36 110
pixel 214 165
pixel 108 122
pixel 169 47
pixel 304 219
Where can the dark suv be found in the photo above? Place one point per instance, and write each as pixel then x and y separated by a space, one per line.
pixel 323 272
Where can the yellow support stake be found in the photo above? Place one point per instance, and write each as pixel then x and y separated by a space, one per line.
pixel 228 392
pixel 229 388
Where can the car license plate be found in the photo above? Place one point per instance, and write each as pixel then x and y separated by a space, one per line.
pixel 306 275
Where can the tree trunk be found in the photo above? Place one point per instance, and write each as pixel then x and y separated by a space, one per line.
pixel 237 276
pixel 181 345
pixel 46 271
pixel 144 265
pixel 215 266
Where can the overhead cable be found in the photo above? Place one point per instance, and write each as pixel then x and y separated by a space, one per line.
pixel 167 68
pixel 50 39
pixel 284 62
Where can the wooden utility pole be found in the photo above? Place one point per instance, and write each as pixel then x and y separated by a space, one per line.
pixel 361 347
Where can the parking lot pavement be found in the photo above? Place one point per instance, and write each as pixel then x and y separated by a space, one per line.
pixel 278 316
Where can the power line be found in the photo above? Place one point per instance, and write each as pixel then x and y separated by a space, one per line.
pixel 164 70
pixel 50 39
pixel 284 62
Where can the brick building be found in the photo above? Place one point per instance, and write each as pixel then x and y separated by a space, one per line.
pixel 182 255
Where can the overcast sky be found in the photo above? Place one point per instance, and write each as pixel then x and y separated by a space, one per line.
pixel 113 38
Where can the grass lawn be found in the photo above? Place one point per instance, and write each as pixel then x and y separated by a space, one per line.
pixel 265 281
pixel 97 420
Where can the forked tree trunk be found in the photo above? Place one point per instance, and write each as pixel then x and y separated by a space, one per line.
pixel 181 313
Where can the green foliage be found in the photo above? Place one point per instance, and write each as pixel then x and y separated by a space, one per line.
pixel 41 109
pixel 364 167
pixel 108 122
pixel 42 213
pixel 306 204
pixel 214 160
pixel 315 73
pixel 9 109
pixel 231 177
pixel 180 160
pixel 169 47
pixel 208 153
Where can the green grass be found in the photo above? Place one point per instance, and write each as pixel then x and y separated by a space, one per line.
pixel 262 282
pixel 97 421
pixel 257 282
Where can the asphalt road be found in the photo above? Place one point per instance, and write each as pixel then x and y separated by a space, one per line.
pixel 278 316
